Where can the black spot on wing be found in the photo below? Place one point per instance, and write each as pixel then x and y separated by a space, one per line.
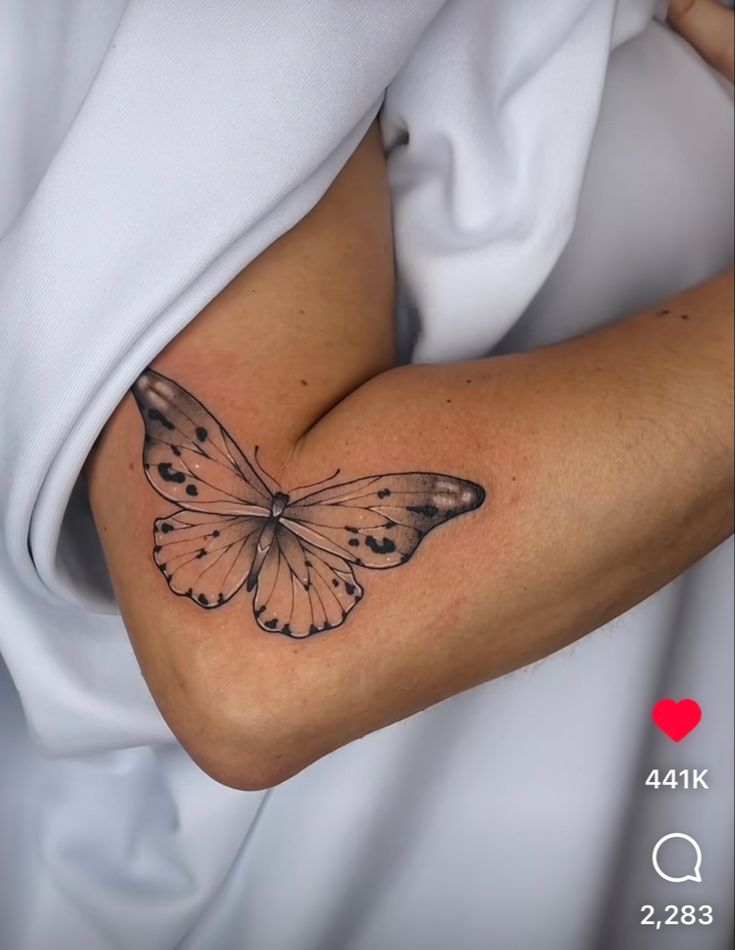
pixel 157 416
pixel 202 433
pixel 429 511
pixel 169 474
pixel 192 490
pixel 386 546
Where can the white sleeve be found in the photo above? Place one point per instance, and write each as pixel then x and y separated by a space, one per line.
pixel 207 131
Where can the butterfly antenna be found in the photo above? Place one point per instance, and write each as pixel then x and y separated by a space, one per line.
pixel 320 482
pixel 263 470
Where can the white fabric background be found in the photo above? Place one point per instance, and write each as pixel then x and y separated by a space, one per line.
pixel 506 817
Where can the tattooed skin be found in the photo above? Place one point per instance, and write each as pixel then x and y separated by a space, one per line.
pixel 297 550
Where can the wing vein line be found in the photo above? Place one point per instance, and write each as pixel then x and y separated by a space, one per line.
pixel 215 487
pixel 226 452
pixel 215 561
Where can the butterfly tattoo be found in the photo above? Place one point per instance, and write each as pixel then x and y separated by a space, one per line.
pixel 298 550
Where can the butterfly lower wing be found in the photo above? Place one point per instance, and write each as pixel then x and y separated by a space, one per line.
pixel 189 457
pixel 302 590
pixel 205 556
pixel 378 522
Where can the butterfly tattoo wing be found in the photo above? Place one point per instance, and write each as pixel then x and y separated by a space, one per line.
pixel 234 526
pixel 191 459
pixel 206 548
pixel 379 521
pixel 307 583
pixel 302 589
pixel 205 556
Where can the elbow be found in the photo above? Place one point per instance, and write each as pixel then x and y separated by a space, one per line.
pixel 245 774
pixel 243 761
pixel 245 748
pixel 240 769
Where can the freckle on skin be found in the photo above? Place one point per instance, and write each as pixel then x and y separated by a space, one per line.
pixel 662 313
pixel 449 400
pixel 468 380
pixel 685 316
pixel 304 382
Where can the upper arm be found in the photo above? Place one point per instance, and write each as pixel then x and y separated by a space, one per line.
pixel 298 329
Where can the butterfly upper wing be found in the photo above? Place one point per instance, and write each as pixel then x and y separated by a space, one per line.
pixel 306 583
pixel 378 522
pixel 302 590
pixel 205 556
pixel 189 458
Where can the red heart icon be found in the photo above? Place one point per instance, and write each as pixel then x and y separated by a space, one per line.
pixel 677 719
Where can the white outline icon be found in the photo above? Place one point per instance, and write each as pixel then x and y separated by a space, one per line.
pixel 696 876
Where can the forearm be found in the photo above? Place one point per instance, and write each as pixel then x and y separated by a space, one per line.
pixel 623 436
pixel 607 460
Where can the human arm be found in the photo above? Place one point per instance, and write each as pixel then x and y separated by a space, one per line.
pixel 708 26
pixel 605 461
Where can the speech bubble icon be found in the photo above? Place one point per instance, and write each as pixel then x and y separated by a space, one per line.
pixel 694 876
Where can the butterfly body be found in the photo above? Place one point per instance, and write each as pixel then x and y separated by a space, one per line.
pixel 278 505
pixel 267 535
pixel 297 551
